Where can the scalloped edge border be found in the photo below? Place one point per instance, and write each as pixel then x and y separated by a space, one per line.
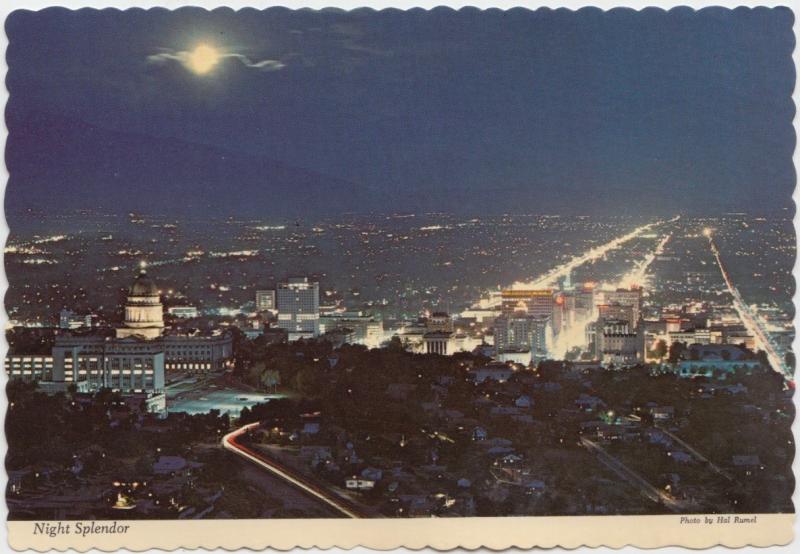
pixel 495 533
pixel 781 529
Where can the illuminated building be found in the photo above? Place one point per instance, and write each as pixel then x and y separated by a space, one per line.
pixel 674 324
pixel 30 367
pixel 480 315
pixel 617 311
pixel 144 313
pixel 560 314
pixel 197 353
pixel 67 319
pixel 144 322
pixel 447 343
pixel 584 299
pixel 135 359
pixel 590 333
pixel 573 307
pixel 465 343
pixel 619 342
pixel 536 303
pixel 694 336
pixel 364 329
pixel 521 356
pixel 439 321
pixel 184 312
pixel 298 307
pixel 123 365
pixel 439 342
pixel 495 371
pixel 741 337
pixel 625 297
pixel 191 353
pixel 265 300
pixel 185 353
pixel 618 335
pixel 412 336
pixel 519 331
pixel 524 320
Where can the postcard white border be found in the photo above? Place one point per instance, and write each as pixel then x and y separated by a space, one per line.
pixel 654 531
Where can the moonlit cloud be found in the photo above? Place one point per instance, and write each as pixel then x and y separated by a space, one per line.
pixel 185 58
pixel 264 65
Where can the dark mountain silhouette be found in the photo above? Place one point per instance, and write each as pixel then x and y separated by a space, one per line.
pixel 56 163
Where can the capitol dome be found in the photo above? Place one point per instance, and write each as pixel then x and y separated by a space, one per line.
pixel 143 286
pixel 144 313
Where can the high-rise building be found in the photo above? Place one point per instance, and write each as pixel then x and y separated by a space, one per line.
pixel 625 297
pixel 298 307
pixel 584 301
pixel 265 300
pixel 572 307
pixel 561 315
pixel 618 311
pixel 619 342
pixel 520 331
pixel 536 303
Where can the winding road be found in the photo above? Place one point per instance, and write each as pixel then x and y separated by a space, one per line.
pixel 340 505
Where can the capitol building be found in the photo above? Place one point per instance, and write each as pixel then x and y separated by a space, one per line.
pixel 136 359
pixel 144 313
pixel 144 321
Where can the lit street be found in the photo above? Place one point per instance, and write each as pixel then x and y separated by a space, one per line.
pixel 230 443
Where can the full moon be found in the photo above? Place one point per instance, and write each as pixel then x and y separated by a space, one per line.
pixel 203 59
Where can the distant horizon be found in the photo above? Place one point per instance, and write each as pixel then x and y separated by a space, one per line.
pixel 288 220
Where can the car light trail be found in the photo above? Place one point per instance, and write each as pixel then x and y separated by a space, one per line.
pixel 229 443
pixel 750 320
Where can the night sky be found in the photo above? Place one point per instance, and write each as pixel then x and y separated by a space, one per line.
pixel 309 112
